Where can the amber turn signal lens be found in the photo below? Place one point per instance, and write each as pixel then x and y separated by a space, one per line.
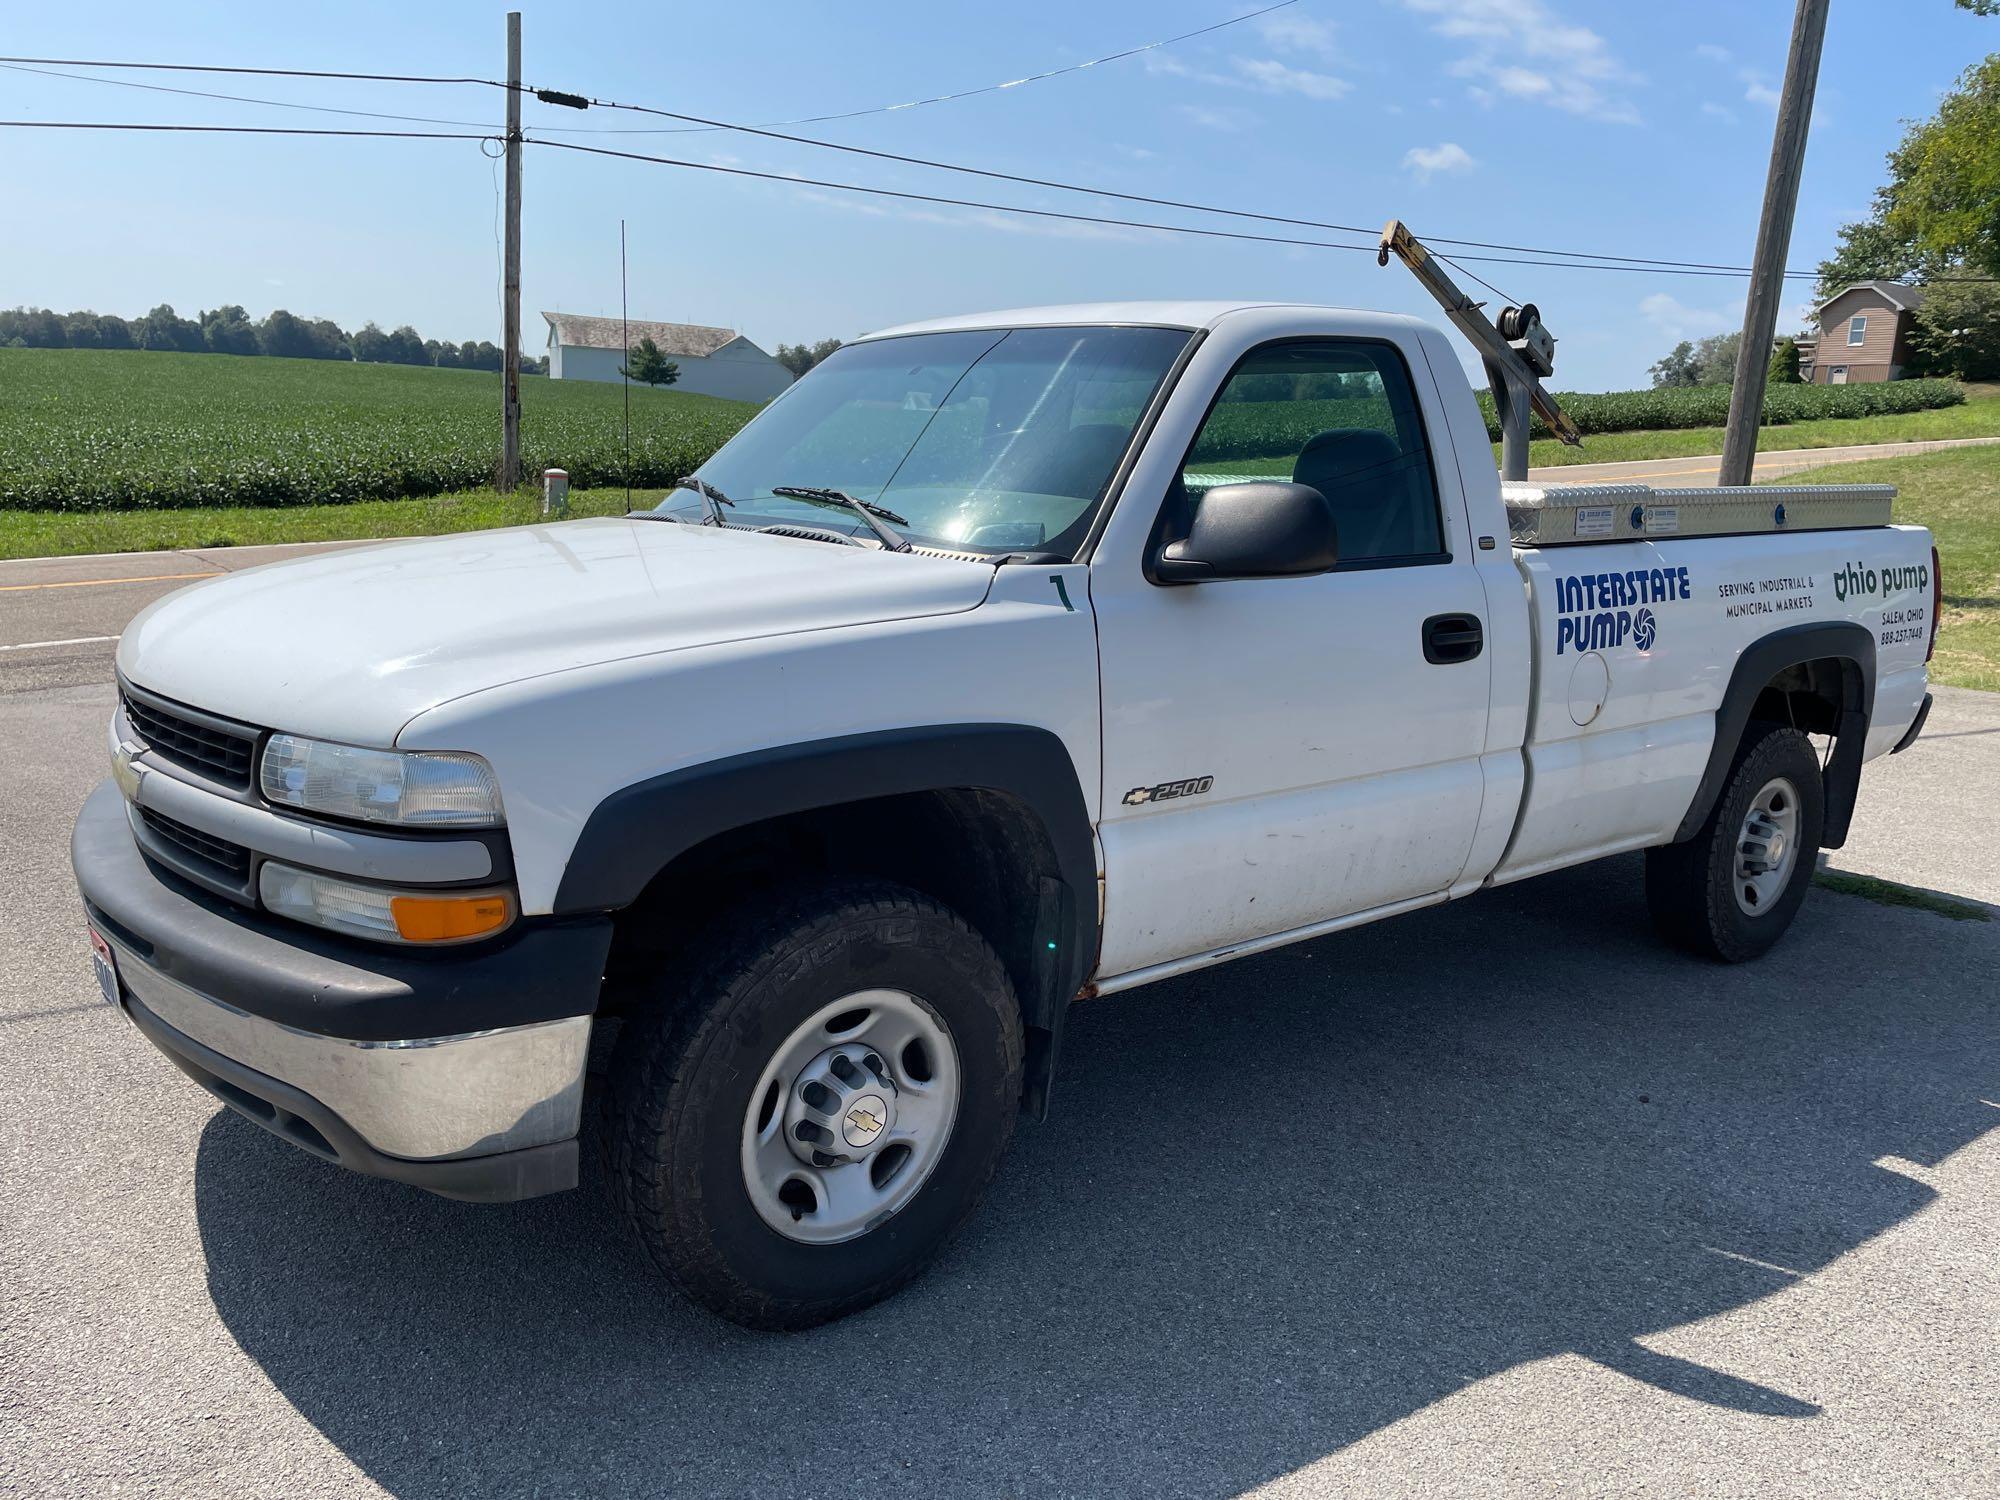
pixel 444 919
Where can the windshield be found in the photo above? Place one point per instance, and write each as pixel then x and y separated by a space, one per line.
pixel 998 441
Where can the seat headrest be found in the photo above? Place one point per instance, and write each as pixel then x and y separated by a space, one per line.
pixel 1341 452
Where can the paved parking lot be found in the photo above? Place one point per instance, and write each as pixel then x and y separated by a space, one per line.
pixel 1495 1199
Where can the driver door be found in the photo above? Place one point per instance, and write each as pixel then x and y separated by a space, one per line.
pixel 1283 752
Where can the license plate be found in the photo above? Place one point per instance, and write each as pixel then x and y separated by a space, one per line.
pixel 106 964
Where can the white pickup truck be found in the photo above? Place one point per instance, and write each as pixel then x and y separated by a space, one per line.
pixel 1002 661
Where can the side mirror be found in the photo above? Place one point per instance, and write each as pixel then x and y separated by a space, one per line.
pixel 1266 528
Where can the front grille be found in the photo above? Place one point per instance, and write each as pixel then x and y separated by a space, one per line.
pixel 218 856
pixel 202 746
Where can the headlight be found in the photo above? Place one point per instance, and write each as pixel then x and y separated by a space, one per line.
pixel 373 911
pixel 425 788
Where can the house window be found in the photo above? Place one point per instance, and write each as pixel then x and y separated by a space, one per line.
pixel 1857 329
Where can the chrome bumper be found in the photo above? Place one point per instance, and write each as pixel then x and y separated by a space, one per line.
pixel 476 1094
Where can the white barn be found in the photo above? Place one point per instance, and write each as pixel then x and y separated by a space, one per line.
pixel 713 361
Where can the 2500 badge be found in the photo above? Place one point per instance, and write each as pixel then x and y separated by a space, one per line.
pixel 1192 786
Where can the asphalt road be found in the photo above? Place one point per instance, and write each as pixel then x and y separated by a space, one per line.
pixel 1684 472
pixel 1497 1199
pixel 60 617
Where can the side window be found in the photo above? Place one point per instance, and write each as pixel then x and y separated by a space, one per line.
pixel 1342 417
pixel 1857 329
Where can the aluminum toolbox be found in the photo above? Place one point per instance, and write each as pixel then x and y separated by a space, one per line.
pixel 1553 515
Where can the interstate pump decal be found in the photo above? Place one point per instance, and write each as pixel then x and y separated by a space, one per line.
pixel 1602 611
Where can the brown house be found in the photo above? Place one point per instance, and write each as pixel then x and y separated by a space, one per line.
pixel 1864 335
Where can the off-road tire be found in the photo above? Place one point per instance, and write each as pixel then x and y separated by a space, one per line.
pixel 1689 885
pixel 686 1065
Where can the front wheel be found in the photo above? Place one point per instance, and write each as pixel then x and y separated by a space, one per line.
pixel 1730 891
pixel 796 1135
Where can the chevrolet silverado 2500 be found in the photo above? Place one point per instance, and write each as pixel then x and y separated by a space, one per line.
pixel 1001 660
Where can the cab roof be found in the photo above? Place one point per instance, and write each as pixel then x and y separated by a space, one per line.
pixel 1163 314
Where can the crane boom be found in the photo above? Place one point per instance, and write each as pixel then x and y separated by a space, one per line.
pixel 1516 349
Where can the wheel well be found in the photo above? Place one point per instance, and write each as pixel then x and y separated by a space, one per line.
pixel 1822 694
pixel 1811 695
pixel 983 853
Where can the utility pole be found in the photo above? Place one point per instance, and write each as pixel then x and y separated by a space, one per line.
pixel 1774 242
pixel 510 317
pixel 625 369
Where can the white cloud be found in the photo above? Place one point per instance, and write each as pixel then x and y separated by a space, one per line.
pixel 1061 229
pixel 1266 75
pixel 1522 49
pixel 1718 111
pixel 1756 83
pixel 1136 153
pixel 1676 320
pixel 1447 156
pixel 1289 31
pixel 1274 77
pixel 1216 119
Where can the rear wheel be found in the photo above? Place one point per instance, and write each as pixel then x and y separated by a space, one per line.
pixel 796 1135
pixel 1731 890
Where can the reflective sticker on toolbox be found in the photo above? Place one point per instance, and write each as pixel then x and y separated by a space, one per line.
pixel 1593 520
pixel 1661 519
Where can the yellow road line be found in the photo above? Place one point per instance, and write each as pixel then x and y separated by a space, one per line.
pixel 93 583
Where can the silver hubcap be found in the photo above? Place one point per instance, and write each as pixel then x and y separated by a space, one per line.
pixel 1767 847
pixel 850 1116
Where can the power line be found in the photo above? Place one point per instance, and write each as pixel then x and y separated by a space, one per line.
pixel 1077 218
pixel 78 62
pixel 1503 296
pixel 703 124
pixel 1625 265
pixel 990 88
pixel 1651 262
pixel 401 135
pixel 881 192
pixel 161 88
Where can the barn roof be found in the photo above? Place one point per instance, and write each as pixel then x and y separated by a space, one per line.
pixel 692 340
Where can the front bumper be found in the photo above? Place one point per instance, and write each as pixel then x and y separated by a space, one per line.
pixel 460 1070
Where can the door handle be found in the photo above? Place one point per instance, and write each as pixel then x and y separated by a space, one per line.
pixel 1449 639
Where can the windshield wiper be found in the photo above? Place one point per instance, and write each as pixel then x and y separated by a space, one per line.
pixel 877 516
pixel 711 497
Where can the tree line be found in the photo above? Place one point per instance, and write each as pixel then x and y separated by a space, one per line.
pixel 1936 223
pixel 799 358
pixel 230 330
pixel 1712 361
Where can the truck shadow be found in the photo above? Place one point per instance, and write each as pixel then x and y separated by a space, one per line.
pixel 1281 1204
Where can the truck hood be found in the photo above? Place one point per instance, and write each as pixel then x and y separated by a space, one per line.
pixel 351 645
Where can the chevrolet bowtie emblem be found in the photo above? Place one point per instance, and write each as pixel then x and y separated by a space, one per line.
pixel 863 1121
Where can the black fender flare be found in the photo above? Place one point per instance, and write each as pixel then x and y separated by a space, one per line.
pixel 1764 659
pixel 639 830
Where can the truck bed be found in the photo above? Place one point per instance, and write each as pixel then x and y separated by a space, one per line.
pixel 1555 515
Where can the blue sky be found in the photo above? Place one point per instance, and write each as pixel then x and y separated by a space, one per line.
pixel 1622 128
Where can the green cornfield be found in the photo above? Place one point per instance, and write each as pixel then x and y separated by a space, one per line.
pixel 94 430
pixel 1708 405
pixel 1265 429
pixel 101 430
